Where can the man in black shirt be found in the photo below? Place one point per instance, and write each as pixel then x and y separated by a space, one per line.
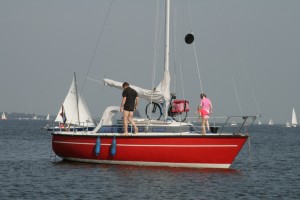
pixel 129 103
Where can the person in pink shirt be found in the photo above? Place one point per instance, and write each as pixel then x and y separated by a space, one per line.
pixel 205 111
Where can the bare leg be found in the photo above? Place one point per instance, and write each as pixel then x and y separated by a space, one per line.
pixel 125 121
pixel 207 125
pixel 130 116
pixel 203 126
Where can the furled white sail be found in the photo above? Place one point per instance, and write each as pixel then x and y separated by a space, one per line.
pixel 294 118
pixel 157 95
pixel 75 113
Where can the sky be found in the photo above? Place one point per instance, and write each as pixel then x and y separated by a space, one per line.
pixel 247 53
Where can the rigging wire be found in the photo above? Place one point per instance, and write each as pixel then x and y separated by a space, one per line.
pixel 195 51
pixel 242 59
pixel 95 80
pixel 236 94
pixel 155 49
pixel 197 63
pixel 155 44
pixel 118 20
pixel 249 151
pixel 175 55
pixel 98 42
pixel 181 75
pixel 245 69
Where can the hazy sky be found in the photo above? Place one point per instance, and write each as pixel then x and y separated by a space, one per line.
pixel 251 47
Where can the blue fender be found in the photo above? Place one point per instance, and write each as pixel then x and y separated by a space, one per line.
pixel 113 147
pixel 98 145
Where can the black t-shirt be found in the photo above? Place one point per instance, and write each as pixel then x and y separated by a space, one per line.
pixel 130 95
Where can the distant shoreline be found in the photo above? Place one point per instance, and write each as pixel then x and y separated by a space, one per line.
pixel 26 116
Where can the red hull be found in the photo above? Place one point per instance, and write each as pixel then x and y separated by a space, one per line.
pixel 212 151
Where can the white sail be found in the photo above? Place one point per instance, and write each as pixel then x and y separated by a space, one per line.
pixel 3 116
pixel 75 113
pixel 84 113
pixel 259 122
pixel 271 122
pixel 294 118
pixel 48 117
pixel 287 124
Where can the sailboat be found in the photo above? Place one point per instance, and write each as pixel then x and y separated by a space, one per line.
pixel 163 142
pixel 48 117
pixel 73 114
pixel 259 122
pixel 3 117
pixel 233 123
pixel 294 118
pixel 271 122
pixel 287 124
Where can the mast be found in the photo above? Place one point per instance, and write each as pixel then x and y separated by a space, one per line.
pixel 77 101
pixel 167 36
pixel 167 54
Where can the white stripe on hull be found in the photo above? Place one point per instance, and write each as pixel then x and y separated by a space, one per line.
pixel 149 145
pixel 159 164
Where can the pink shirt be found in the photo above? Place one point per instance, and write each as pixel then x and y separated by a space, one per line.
pixel 206 104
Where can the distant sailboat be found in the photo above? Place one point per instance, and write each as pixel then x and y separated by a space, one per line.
pixel 294 118
pixel 259 122
pixel 3 117
pixel 48 117
pixel 287 124
pixel 271 122
pixel 73 114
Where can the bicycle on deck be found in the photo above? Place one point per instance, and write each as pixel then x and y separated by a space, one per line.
pixel 178 109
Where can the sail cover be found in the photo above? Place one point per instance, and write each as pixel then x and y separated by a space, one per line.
pixel 70 109
pixel 160 94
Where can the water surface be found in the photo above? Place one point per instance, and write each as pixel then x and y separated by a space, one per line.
pixel 267 168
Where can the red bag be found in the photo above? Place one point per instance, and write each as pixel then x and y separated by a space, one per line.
pixel 179 106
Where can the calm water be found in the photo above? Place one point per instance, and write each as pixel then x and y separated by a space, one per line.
pixel 27 172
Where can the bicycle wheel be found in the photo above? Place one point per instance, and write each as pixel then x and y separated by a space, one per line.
pixel 153 111
pixel 179 117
